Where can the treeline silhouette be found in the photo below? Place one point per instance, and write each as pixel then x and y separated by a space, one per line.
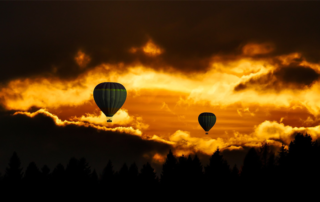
pixel 262 172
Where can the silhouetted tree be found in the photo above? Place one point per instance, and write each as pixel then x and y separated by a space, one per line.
pixel 123 176
pixel 168 177
pixel 235 173
pixel 182 172
pixel 94 179
pixel 133 174
pixel 234 179
pixel 45 174
pixel 300 159
pixel 315 162
pixel 107 177
pixel 13 174
pixel 267 163
pixel 32 174
pixel 271 167
pixel 282 157
pixel 194 175
pixel 78 172
pixel 84 168
pixel 72 171
pixel 262 169
pixel 197 168
pixel 147 176
pixel 32 178
pixel 218 171
pixel 58 175
pixel 264 154
pixel 251 166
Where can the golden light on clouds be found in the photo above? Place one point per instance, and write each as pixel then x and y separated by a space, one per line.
pixel 122 117
pixel 82 59
pixel 59 122
pixel 159 158
pixel 275 130
pixel 213 86
pixel 149 49
pixel 152 49
pixel 252 49
pixel 164 106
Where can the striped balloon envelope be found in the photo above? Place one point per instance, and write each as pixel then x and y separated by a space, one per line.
pixel 109 97
pixel 207 121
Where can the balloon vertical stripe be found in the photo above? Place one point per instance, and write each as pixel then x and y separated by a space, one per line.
pixel 207 120
pixel 109 97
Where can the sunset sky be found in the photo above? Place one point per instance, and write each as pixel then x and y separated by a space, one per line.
pixel 255 65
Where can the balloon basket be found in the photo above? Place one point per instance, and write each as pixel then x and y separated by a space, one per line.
pixel 109 120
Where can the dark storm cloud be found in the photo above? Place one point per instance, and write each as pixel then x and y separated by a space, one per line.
pixel 295 77
pixel 39 139
pixel 37 37
pixel 303 76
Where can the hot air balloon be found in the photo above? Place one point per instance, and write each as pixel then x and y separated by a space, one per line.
pixel 207 121
pixel 109 97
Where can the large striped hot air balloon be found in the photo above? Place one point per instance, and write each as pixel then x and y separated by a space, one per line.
pixel 207 121
pixel 109 97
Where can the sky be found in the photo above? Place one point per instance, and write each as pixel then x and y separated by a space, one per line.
pixel 255 65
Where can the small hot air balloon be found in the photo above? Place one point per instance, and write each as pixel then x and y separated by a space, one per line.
pixel 109 97
pixel 207 121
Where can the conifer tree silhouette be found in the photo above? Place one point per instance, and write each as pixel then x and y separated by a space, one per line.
pixel 262 170
pixel 300 159
pixel 13 174
pixel 32 174
pixel 235 173
pixel 45 175
pixel 58 176
pixel 45 171
pixel 133 175
pixel 189 163
pixel 282 158
pixel 251 166
pixel 218 171
pixel 84 169
pixel 168 177
pixel 147 176
pixel 122 176
pixel 94 179
pixel 271 167
pixel 72 171
pixel 315 160
pixel 196 170
pixel 107 177
pixel 264 154
pixel 267 162
pixel 182 172
pixel 78 173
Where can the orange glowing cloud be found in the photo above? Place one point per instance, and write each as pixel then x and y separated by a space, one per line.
pixel 159 158
pixel 164 106
pixel 185 144
pixel 59 122
pixel 275 130
pixel 122 117
pixel 152 49
pixel 82 59
pixel 252 49
pixel 214 86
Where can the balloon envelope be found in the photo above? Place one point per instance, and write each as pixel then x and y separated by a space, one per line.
pixel 109 97
pixel 207 120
